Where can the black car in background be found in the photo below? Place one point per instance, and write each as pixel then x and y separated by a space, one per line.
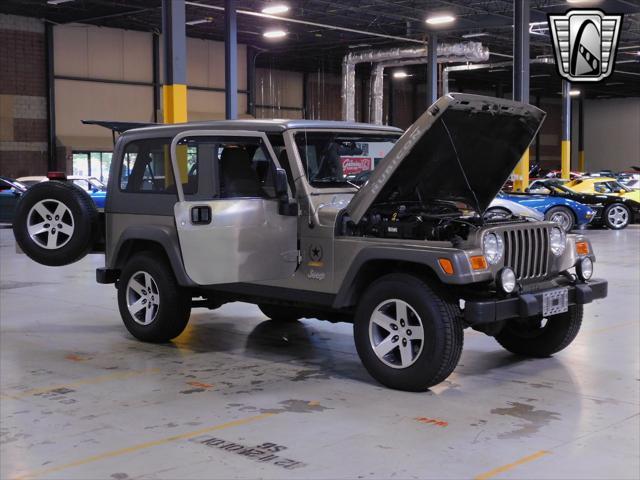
pixel 611 211
pixel 10 192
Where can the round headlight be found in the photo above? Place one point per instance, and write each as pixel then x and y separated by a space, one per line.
pixel 506 280
pixel 584 268
pixel 557 240
pixel 492 248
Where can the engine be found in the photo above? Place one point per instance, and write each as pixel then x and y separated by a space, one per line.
pixel 415 221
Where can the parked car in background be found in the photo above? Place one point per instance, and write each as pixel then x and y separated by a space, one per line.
pixel 10 192
pixel 603 185
pixel 612 211
pixel 565 212
pixel 502 207
pixel 537 185
pixel 94 187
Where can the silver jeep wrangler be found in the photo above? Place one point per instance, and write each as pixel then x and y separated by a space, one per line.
pixel 330 220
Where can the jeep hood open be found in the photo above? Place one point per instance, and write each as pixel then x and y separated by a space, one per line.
pixel 482 138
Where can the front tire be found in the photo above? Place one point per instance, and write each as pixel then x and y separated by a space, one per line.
pixel 153 307
pixel 408 337
pixel 562 216
pixel 538 337
pixel 616 216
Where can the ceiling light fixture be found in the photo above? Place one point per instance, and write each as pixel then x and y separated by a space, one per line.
pixel 574 93
pixel 199 21
pixel 541 75
pixel 475 35
pixel 275 9
pixel 274 34
pixel 583 1
pixel 440 19
pixel 57 2
pixel 400 74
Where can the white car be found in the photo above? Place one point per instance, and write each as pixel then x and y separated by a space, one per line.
pixel 500 207
pixel 90 184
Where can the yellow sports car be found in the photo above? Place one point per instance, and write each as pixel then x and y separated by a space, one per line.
pixel 603 185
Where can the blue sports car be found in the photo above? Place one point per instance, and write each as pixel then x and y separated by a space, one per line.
pixel 565 212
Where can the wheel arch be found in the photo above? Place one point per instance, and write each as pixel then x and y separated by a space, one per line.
pixel 371 266
pixel 158 239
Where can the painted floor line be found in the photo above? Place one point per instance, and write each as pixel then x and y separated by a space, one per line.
pixel 140 446
pixel 511 466
pixel 87 381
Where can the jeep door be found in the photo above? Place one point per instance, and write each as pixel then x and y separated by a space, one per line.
pixel 232 231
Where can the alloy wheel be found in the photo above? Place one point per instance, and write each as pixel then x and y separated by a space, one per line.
pixel 562 219
pixel 396 333
pixel 618 216
pixel 143 298
pixel 50 224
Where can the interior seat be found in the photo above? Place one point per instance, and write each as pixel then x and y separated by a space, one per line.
pixel 238 178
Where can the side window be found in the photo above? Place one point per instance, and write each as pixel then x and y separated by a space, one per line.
pixel 238 166
pixel 146 167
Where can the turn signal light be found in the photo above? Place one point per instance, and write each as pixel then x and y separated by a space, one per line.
pixel 478 262
pixel 446 265
pixel 582 248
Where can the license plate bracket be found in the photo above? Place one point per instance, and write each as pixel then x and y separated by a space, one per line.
pixel 555 302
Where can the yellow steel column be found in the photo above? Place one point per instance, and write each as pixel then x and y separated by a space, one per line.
pixel 521 182
pixel 174 102
pixel 565 146
pixel 174 90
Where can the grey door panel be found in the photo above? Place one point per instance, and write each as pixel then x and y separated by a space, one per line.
pixel 246 240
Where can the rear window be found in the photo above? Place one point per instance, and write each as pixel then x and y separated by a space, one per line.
pixel 146 167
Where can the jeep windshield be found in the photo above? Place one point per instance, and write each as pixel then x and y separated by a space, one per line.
pixel 341 159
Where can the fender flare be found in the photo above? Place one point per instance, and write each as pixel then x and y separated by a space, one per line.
pixel 165 237
pixel 427 259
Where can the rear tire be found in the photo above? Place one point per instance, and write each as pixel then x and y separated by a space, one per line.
pixel 562 216
pixel 279 313
pixel 56 223
pixel 407 336
pixel 530 338
pixel 616 216
pixel 153 307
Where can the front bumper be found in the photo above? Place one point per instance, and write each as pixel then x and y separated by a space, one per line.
pixel 529 304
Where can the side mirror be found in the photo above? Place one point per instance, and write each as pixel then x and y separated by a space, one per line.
pixel 527 190
pixel 281 188
pixel 280 182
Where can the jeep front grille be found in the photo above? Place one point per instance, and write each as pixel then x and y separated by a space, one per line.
pixel 527 252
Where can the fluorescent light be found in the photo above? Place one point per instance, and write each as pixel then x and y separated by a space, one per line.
pixel 499 70
pixel 360 45
pixel 274 34
pixel 440 19
pixel 474 35
pixel 58 2
pixel 275 9
pixel 574 93
pixel 540 75
pixel 199 21
pixel 609 84
pixel 583 1
pixel 400 74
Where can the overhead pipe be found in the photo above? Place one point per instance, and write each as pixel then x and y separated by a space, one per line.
pixel 459 52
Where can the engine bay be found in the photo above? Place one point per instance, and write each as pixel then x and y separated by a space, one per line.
pixel 438 221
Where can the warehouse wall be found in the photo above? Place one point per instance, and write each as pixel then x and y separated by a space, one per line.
pixel 279 93
pixel 23 103
pixel 107 74
pixel 612 134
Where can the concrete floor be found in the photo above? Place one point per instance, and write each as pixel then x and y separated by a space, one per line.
pixel 81 399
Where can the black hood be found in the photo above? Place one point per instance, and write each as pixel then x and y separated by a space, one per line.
pixel 483 137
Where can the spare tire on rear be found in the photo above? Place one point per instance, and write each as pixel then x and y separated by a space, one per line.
pixel 56 223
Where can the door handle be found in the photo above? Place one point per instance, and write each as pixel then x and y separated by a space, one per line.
pixel 201 215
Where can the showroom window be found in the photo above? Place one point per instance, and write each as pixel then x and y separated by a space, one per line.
pixel 92 164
